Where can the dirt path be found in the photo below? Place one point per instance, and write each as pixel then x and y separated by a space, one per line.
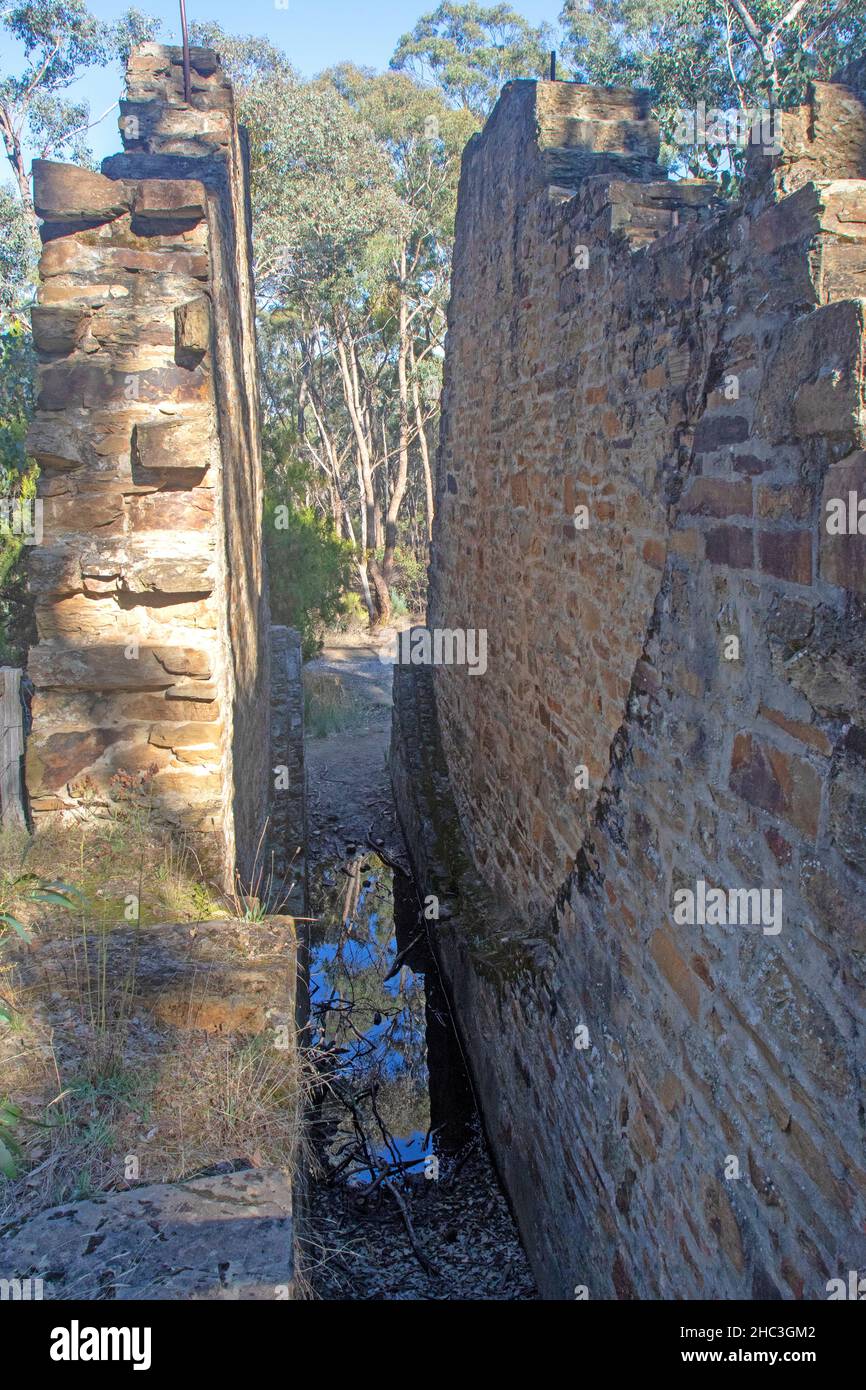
pixel 348 788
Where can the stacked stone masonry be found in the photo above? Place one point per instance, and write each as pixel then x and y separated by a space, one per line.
pixel 691 372
pixel 151 606
pixel 287 831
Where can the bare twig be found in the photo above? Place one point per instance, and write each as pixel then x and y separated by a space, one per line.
pixel 424 1260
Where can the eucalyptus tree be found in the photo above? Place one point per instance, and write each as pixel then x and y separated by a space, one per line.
pixel 470 51
pixel 747 55
pixel 58 40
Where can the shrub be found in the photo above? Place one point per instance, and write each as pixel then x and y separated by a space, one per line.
pixel 17 480
pixel 309 569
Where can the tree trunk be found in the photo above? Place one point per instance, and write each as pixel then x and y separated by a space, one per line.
pixel 422 443
pixel 14 154
pixel 380 608
pixel 399 490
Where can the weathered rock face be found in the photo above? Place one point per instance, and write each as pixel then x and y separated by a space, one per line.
pixel 226 1237
pixel 649 400
pixel 288 825
pixel 150 592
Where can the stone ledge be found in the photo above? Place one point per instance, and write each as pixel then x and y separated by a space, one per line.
pixel 69 194
pixel 228 1237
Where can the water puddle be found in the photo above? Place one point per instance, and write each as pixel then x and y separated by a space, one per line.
pixel 403 1202
pixel 379 1026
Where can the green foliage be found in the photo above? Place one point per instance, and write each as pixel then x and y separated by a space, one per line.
pixel 17 480
pixel 17 366
pixel 410 580
pixel 320 184
pixel 472 50
pixel 19 254
pixel 41 891
pixel 353 614
pixel 10 1148
pixel 412 570
pixel 688 51
pixel 330 707
pixel 59 39
pixel 308 569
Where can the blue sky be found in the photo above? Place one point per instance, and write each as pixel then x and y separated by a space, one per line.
pixel 314 33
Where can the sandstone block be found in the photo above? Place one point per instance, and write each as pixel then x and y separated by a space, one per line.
pixel 169 201
pixel 58 329
pixel 167 448
pixel 55 443
pixel 775 781
pixel 192 331
pixel 717 497
pixel 109 667
pixel 812 386
pixel 54 761
pixel 68 193
pixel 673 967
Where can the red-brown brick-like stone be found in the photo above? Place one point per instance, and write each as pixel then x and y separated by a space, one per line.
pixel 806 733
pixel 731 546
pixel 786 786
pixel 717 497
pixel 787 555
pixel 843 556
pixel 719 432
pixel 675 970
pixel 69 193
pixel 519 489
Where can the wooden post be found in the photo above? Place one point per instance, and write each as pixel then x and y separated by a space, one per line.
pixel 11 746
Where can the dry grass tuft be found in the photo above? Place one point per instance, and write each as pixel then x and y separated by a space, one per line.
pixel 109 1095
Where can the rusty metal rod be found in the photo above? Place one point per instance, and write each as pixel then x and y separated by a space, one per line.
pixel 186 77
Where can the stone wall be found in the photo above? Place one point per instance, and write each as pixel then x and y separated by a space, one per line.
pixel 150 592
pixel 288 823
pixel 649 399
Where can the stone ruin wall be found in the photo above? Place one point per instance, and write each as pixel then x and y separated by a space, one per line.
pixel 149 586
pixel 610 387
